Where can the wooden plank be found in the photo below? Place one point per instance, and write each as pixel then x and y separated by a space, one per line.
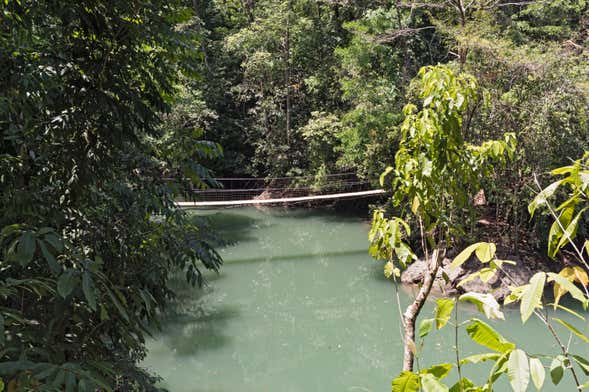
pixel 279 201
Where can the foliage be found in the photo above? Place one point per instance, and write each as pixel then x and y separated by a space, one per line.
pixel 89 234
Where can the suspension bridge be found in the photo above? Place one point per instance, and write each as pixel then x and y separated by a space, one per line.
pixel 243 191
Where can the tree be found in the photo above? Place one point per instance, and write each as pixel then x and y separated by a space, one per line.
pixel 89 234
pixel 436 174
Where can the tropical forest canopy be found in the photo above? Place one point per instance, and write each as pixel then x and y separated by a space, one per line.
pixel 112 110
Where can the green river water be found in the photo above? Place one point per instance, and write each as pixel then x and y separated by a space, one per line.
pixel 300 306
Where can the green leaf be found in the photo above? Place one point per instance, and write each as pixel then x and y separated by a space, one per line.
pixel 51 261
pixel 89 290
pixel 483 334
pixel 384 174
pixel 486 303
pixel 463 256
pixel 537 372
pixel 406 382
pixel 431 384
pixel 485 251
pixel 556 370
pixel 570 287
pixel 518 370
pixel 26 248
pixel 541 197
pixel 439 371
pixel 571 231
pixel 466 385
pixel 66 283
pixel 571 328
pixel 54 241
pixel 443 311
pixel 480 358
pixel 583 364
pixel 532 296
pixel 425 327
pixel 2 338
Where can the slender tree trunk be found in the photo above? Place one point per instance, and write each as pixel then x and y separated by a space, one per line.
pixel 414 309
pixel 287 69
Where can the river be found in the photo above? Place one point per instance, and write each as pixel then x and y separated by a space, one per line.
pixel 300 306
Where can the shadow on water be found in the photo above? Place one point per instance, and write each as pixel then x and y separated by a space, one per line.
pixel 197 328
pixel 230 227
pixel 297 256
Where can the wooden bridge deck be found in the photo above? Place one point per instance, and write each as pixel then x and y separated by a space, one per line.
pixel 286 200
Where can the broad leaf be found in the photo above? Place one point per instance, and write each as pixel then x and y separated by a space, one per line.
pixel 518 370
pixel 565 284
pixel 556 370
pixel 583 363
pixel 26 248
pixel 537 372
pixel 439 371
pixel 486 303
pixel 532 296
pixel 483 334
pixel 406 382
pixel 425 327
pixel 89 290
pixel 463 256
pixel 66 283
pixel 443 311
pixel 485 251
pixel 431 384
pixel 542 197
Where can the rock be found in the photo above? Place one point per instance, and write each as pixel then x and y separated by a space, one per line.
pixel 498 286
pixel 414 272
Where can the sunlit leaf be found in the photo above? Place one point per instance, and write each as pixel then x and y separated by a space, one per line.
pixel 406 382
pixel 431 384
pixel 486 303
pixel 573 329
pixel 463 256
pixel 537 372
pixel 443 311
pixel 425 327
pixel 532 296
pixel 485 335
pixel 518 370
pixel 485 251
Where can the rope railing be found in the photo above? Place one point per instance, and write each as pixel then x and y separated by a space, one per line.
pixel 274 190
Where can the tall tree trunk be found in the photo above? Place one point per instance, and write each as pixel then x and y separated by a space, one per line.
pixel 287 69
pixel 413 310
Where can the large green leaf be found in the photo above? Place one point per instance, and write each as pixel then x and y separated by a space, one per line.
pixel 543 196
pixel 537 372
pixel 439 371
pixel 557 369
pixel 463 256
pixel 66 283
pixel 485 251
pixel 26 248
pixel 429 383
pixel 406 382
pixel 518 370
pixel 425 327
pixel 443 311
pixel 486 303
pixel 483 334
pixel 569 286
pixel 532 296
pixel 583 363
pixel 89 289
